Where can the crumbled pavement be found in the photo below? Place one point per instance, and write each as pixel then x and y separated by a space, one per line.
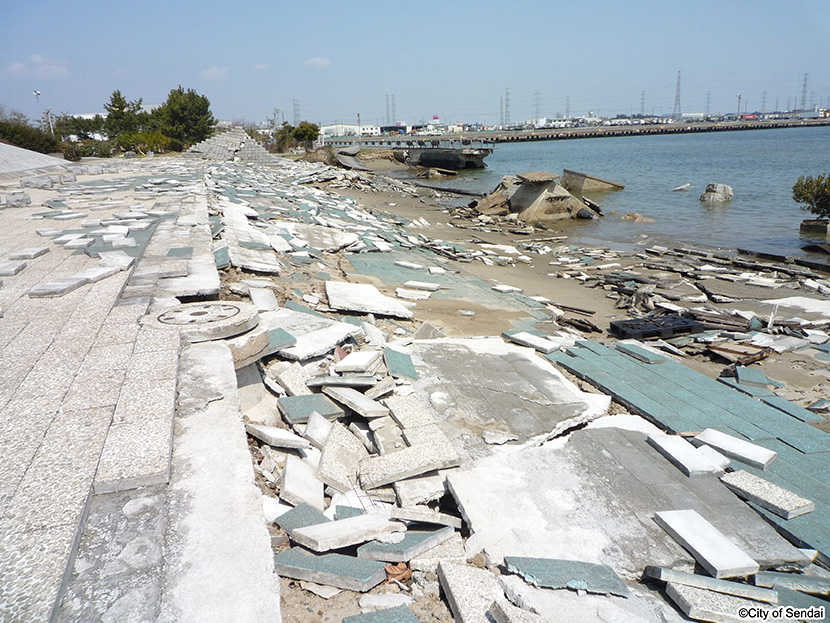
pixel 229 341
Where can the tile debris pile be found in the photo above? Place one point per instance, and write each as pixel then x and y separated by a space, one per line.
pixel 473 468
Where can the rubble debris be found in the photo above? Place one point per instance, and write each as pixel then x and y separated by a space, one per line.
pixel 300 516
pixel 735 448
pixel 342 533
pixel 297 409
pixel 346 572
pixel 356 401
pixel 767 495
pixel 811 584
pixel 572 574
pixel 300 484
pixel 397 614
pixel 416 541
pixel 363 298
pixel 715 553
pixel 341 455
pixel 736 589
pixel 683 455
pixel 425 515
pixel 276 437
pixel 469 591
pixel 705 605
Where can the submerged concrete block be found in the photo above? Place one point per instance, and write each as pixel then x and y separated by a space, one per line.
pixel 715 553
pixel 573 574
pixel 323 537
pixel 346 572
pixel 767 495
pixel 736 448
pixel 415 543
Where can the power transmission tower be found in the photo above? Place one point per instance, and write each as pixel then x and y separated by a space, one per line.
pixel 804 93
pixel 812 100
pixel 708 101
pixel 676 112
pixel 501 111
pixel 507 107
pixel 763 101
pixel 536 96
pixel 387 111
pixel 568 107
pixel 296 112
pixel 394 113
pixel 642 103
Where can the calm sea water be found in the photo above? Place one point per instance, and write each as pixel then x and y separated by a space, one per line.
pixel 761 167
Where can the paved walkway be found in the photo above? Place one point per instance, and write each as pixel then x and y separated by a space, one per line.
pixel 88 394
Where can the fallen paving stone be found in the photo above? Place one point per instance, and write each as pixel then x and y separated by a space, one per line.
pixel 412 461
pixel 263 299
pixel 381 388
pixel 497 437
pixel 28 253
pixel 59 287
pixel 356 401
pixel 345 512
pixel 719 586
pixel 96 274
pixel 272 509
pixel 374 336
pixel 543 345
pixel 751 376
pixel 340 461
pixel 425 515
pixel 410 412
pixel 811 584
pixel 573 574
pixel 346 572
pixel 297 409
pixel 276 437
pixel 115 259
pixel 736 448
pixel 412 295
pixel 715 553
pixel 428 332
pixel 504 289
pixel 293 380
pixel 317 429
pixel 300 484
pixel 398 614
pixel 767 495
pixel 359 361
pixel 384 601
pixel 421 489
pixel 414 543
pixel 345 532
pixel 315 335
pixel 713 456
pixel 342 381
pixel 410 265
pixel 9 269
pixel 301 516
pixel 683 455
pixel 79 243
pixel 250 346
pixel 363 298
pixel 704 605
pixel 469 591
pixel 362 431
pixel 503 611
pixel 326 592
pixel 399 364
pixel 422 285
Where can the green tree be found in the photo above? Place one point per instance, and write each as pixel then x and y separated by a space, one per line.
pixel 122 116
pixel 26 136
pixel 813 193
pixel 185 117
pixel 306 133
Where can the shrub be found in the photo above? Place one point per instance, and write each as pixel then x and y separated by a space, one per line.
pixel 71 151
pixel 28 137
pixel 813 194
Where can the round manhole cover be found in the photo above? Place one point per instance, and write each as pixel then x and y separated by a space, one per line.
pixel 199 314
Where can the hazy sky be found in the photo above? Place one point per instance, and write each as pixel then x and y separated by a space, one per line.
pixel 453 59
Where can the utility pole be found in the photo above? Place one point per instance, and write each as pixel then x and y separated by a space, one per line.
pixel 567 107
pixel 677 112
pixel 507 107
pixel 804 93
pixel 536 96
pixel 739 106
pixel 296 112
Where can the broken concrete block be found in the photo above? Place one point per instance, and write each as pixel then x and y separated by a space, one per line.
pixel 301 516
pixel 810 584
pixel 469 591
pixel 505 289
pixel 428 332
pixel 738 449
pixel 345 532
pixel 383 387
pixel 412 461
pixel 346 572
pixel 410 265
pixel 425 515
pixel 397 614
pixel 451 551
pixel 317 429
pixel 497 437
pixel 18 199
pixel 767 495
pixel 386 435
pixel 9 269
pixel 277 437
pixel 28 253
pixel 362 431
pixel 719 586
pixel 374 336
pixel 115 259
pixel 359 361
pixel 249 347
pixel 297 409
pixel 293 380
pixel 715 553
pixel 412 295
pixel 342 381
pixel 345 512
pixel 96 274
pixel 541 344
pixel 263 299
pixel 300 484
pixel 713 456
pixel 326 592
pixel 410 412
pixel 422 285
pixel 503 611
pixel 399 364
pixel 704 605
pixel 340 461
pixel 573 574
pixel 356 401
pixel 272 509
pixel 683 455
pixel 751 376
pixel 421 489
pixel 58 287
pixel 414 543
pixel 363 298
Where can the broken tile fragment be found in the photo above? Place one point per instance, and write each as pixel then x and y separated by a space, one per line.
pixel 735 448
pixel 300 516
pixel 300 484
pixel 398 614
pixel 719 586
pixel 276 437
pixel 297 409
pixel 331 535
pixel 469 591
pixel 346 572
pixel 573 574
pixel 414 543
pixel 356 401
pixel 340 461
